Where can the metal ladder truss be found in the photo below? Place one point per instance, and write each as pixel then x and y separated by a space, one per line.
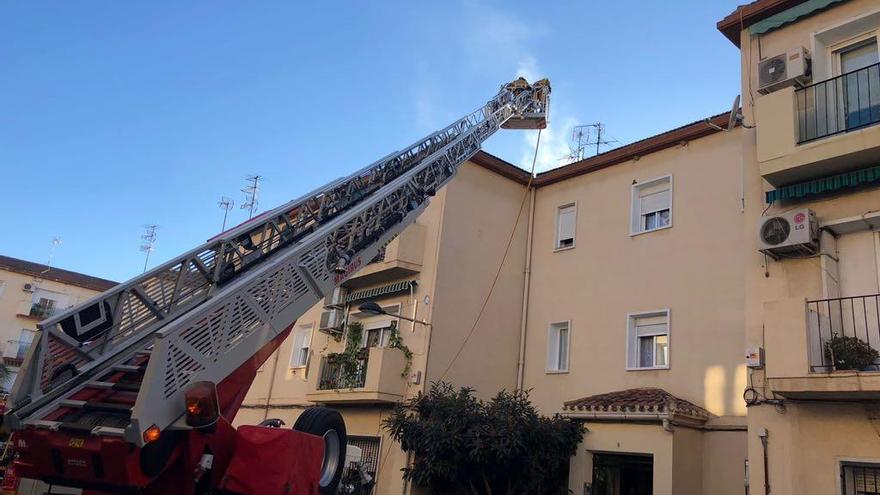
pixel 203 314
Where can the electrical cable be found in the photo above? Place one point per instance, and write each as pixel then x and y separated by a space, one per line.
pixel 500 265
pixel 491 288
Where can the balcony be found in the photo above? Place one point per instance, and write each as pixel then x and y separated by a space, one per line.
pixel 806 344
pixel 826 128
pixel 401 258
pixel 36 311
pixel 375 379
pixel 15 351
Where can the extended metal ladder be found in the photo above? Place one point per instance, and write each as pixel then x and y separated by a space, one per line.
pixel 119 363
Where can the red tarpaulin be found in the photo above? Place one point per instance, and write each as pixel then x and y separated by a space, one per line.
pixel 270 461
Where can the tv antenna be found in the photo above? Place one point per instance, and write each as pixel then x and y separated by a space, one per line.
pixel 148 243
pixel 225 204
pixel 581 140
pixel 251 193
pixel 56 241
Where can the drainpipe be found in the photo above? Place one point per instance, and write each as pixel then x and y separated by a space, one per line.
pixel 272 382
pixel 764 434
pixel 520 365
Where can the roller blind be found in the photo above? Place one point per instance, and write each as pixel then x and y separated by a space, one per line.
pixel 565 226
pixel 654 201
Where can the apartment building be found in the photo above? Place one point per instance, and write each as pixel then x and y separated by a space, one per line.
pixel 30 292
pixel 436 273
pixel 635 312
pixel 705 301
pixel 811 307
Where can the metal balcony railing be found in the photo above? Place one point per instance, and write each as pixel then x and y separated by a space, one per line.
pixel 856 316
pixel 42 311
pixel 844 103
pixel 15 352
pixel 337 374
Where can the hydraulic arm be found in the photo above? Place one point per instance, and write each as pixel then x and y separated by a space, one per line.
pixel 116 366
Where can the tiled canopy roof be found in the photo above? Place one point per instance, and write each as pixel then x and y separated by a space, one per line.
pixel 637 400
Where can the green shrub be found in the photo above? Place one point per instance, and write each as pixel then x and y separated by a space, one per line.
pixel 850 353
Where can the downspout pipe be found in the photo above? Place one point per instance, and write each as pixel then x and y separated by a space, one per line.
pixel 520 365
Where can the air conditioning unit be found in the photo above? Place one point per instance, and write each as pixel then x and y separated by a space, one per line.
pixel 785 69
pixel 29 287
pixel 791 234
pixel 335 299
pixel 331 321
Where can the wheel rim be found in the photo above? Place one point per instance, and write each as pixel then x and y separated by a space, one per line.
pixel 331 457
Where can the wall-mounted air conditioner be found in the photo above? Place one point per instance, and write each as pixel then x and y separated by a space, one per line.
pixel 785 69
pixel 335 299
pixel 331 321
pixel 29 287
pixel 790 234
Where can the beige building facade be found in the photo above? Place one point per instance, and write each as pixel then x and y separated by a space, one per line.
pixel 30 292
pixel 815 146
pixel 436 272
pixel 648 291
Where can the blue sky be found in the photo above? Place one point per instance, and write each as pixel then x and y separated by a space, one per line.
pixel 118 114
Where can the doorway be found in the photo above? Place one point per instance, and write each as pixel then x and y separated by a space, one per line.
pixel 629 474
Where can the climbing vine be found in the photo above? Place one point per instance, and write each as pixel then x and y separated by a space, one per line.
pixel 349 362
pixel 396 342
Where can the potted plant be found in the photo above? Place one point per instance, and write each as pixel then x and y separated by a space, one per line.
pixel 849 353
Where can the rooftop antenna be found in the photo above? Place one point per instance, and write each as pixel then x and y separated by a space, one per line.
pixel 251 192
pixel 149 241
pixel 580 140
pixel 56 241
pixel 580 136
pixel 225 204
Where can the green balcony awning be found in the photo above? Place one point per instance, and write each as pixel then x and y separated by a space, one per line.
pixel 804 9
pixel 826 184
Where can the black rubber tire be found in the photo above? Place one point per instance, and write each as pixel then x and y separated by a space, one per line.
pixel 318 421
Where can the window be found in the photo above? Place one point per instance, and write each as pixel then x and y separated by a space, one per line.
pixel 565 225
pixel 302 339
pixel 859 106
pixel 2 287
pixel 648 340
pixel 378 334
pixel 651 205
pixel 860 478
pixel 557 347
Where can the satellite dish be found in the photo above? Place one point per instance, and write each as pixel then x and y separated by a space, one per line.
pixel 735 116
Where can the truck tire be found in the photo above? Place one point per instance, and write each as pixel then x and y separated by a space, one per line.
pixel 326 423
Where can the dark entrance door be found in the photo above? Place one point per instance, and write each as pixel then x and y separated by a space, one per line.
pixel 616 474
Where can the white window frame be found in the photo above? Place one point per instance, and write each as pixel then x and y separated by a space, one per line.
pixel 373 322
pixel 633 340
pixel 552 333
pixel 635 220
pixel 295 351
pixel 835 50
pixel 556 240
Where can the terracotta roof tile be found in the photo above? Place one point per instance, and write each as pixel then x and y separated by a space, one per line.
pixel 638 400
pixel 46 272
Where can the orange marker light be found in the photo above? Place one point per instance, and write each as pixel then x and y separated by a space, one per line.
pixel 202 405
pixel 152 433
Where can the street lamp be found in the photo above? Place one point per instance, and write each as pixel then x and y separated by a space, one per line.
pixel 370 307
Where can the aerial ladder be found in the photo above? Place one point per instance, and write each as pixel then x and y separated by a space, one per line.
pixel 135 389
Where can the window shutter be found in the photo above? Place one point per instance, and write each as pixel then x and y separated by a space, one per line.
pixel 297 346
pixel 552 347
pixel 565 225
pixel 654 202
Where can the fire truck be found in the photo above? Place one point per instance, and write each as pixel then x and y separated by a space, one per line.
pixel 136 389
